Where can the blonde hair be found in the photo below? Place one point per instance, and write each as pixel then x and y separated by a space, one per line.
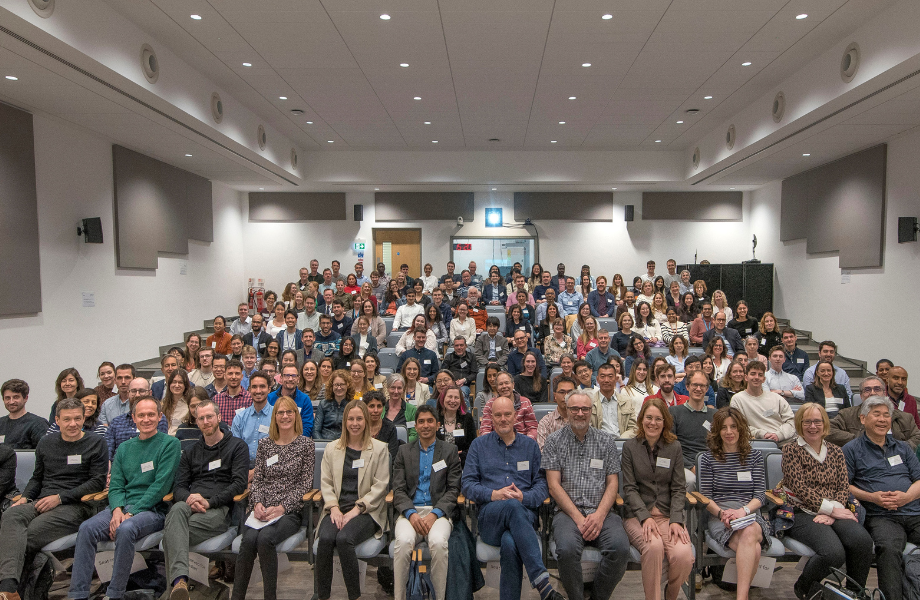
pixel 284 402
pixel 800 416
pixel 366 436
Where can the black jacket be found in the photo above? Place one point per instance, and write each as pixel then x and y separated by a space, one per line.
pixel 465 367
pixel 814 393
pixel 217 472
pixel 444 485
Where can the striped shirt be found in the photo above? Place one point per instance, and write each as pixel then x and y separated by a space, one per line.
pixel 732 480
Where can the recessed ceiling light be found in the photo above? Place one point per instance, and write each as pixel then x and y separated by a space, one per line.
pixel 680 122
pixel 309 122
pixel 12 78
pixel 707 97
pixel 731 188
pixel 189 155
pixel 493 189
pixel 385 17
pixel 586 64
pixel 801 16
pixel 196 17
pixel 571 97
pixel 657 141
pixel 607 17
pixel 552 141
pixel 417 98
pixel 562 122
pixel 427 122
pixel 261 188
pixel 330 141
pixel 247 64
pixel 404 65
pixel 434 141
pixel 376 189
pixel 282 97
pixel 807 154
pixel 612 188
pixel 746 63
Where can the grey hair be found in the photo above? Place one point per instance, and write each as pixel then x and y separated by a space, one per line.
pixel 873 401
pixel 862 385
pixel 577 392
pixel 685 271
pixel 393 378
pixel 749 338
pixel 68 404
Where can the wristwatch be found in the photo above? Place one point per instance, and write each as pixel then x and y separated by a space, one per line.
pixel 747 510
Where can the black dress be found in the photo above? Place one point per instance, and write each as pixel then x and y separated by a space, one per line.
pixel 467 424
pixel 524 386
pixel 387 435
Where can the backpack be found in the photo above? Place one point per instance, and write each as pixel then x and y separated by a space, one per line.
pixel 419 586
pixel 911 576
pixel 37 578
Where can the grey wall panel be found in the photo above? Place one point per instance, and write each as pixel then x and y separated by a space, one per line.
pixel 286 207
pixel 20 274
pixel 567 206
pixel 839 207
pixel 691 206
pixel 158 207
pixel 423 206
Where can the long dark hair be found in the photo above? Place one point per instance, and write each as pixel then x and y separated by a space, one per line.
pixel 89 423
pixel 714 439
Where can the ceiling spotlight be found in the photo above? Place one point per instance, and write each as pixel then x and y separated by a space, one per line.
pixel 586 64
pixel 612 188
pixel 261 188
pixel 330 141
pixel 657 141
pixel 247 64
pixel 607 17
pixel 801 16
pixel 385 17
pixel 188 155
pixel 282 97
pixel 309 122
pixel 296 112
pixel 680 122
pixel 417 98
pixel 434 141
pixel 746 63
pixel 427 122
pixel 196 17
pixel 12 78
pixel 807 154
pixel 562 122
pixel 493 189
pixel 552 141
pixel 404 65
pixel 376 189
pixel 707 97
pixel 571 97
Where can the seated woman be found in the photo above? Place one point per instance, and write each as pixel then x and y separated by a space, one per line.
pixel 544 328
pixel 91 405
pixel 720 360
pixel 743 323
pixel 567 364
pixel 67 384
pixel 677 354
pixel 673 327
pixel 397 410
pixel 768 333
pixel 825 391
pixel 488 390
pixel 337 393
pixel 188 432
pixel 673 296
pixel 283 474
pixel 376 325
pixel 192 345
pixel 647 326
pixel 175 399
pixel 374 378
pixel 752 350
pixel 518 322
pixel 720 305
pixel 351 285
pixel 355 478
pixel 407 340
pixel 276 324
pixel 362 337
pixel 457 424
pixel 390 299
pixel 347 353
pixel 699 293
pixel 106 374
pixel 359 378
pixel 618 289
pixel 326 369
pixel 817 486
pixel 381 429
pixel 529 383
pixel 636 349
pixel 659 307
pixel 654 492
pixel 732 477
pixel 578 325
pixel 443 379
pixel 310 383
pixel 620 340
pixel 413 391
pixel 638 385
pixel 527 310
pixel 463 325
pixel 688 310
pixel 587 340
pixel 436 326
pixel 557 342
pixel 647 294
pixel 731 383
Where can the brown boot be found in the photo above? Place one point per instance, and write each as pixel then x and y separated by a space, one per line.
pixel 179 591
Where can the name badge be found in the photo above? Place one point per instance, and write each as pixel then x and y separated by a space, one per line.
pixel 262 346
pixel 763 342
pixel 707 425
pixel 357 464
pixel 769 413
pixel 463 365
pixel 835 400
pixel 439 465
pixel 427 361
pixel 744 476
pixel 800 361
pixel 894 460
pixel 347 364
pixel 523 465
pixel 664 463
pixel 900 407
pixel 3 437
pixel 410 424
pixel 214 464
pixel 378 386
pixel 75 459
pixel 213 344
pixel 597 463
pixel 521 328
pixel 748 330
pixel 147 466
pixel 263 429
pixel 238 411
pixel 458 433
pixel 271 460
pixel 475 310
pixel 562 344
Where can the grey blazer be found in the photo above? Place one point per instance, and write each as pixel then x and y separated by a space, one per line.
pixel 481 349
pixel 646 486
pixel 445 483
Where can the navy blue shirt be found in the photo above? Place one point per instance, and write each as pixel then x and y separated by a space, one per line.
pixel 423 491
pixel 492 465
pixel 426 358
pixel 343 327
pixel 796 363
pixel 515 363
pixel 892 467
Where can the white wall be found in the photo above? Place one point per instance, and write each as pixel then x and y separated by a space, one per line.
pixel 872 316
pixel 74 176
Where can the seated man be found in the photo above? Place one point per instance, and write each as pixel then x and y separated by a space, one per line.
pixel 124 428
pixel 846 425
pixel 525 421
pixel 462 365
pixel 169 364
pixel 601 301
pixel 142 473
pixel 426 483
pixel 539 290
pixel 666 376
pixel 478 311
pixel 582 466
pixel 289 388
pixel 327 341
pixel 556 420
pixel 885 476
pixel 211 473
pixel 897 392
pixel 407 312
pixel 68 465
pixel 503 476
pixel 257 337
pixel 20 429
pixel 341 323
pixel 119 404
pixel 827 351
pixel 234 397
pixel 701 325
pixel 780 382
pixel 796 358
pixel 768 415
pixel 617 412
pixel 733 342
pixel 515 363
pixel 692 423
pixel 219 376
pixel 601 354
pixel 425 357
pixel 289 338
pixel 691 364
pixel 204 374
pixel 253 423
pixel 492 345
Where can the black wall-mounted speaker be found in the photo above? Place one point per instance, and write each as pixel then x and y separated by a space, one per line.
pixel 91 230
pixel 359 212
pixel 630 212
pixel 907 229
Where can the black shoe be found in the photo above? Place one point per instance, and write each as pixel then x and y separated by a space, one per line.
pixel 555 595
pixel 802 594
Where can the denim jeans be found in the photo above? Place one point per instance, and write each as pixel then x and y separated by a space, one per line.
pixel 510 525
pixel 96 530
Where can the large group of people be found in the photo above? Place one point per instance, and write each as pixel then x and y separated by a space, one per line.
pixel 234 417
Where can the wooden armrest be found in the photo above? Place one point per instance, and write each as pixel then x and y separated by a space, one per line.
pixel 306 497
pixel 619 501
pixel 701 498
pixel 547 502
pixel 690 499
pixel 242 496
pixel 19 497
pixel 318 496
pixel 461 499
pixel 774 498
pixel 102 495
pixel 168 497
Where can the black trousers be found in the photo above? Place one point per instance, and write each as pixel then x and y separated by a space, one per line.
pixel 891 533
pixel 331 538
pixel 262 542
pixel 844 542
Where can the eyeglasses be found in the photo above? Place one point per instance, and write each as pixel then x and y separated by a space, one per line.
pixel 285 413
pixel 698 385
pixel 579 409
pixel 877 389
pixel 289 376
pixel 814 423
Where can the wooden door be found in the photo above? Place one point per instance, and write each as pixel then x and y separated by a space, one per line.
pixel 393 247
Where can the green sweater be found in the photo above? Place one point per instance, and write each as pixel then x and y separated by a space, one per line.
pixel 143 472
